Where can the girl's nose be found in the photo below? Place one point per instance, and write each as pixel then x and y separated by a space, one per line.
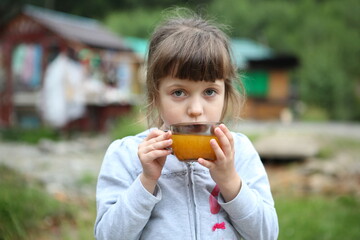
pixel 195 108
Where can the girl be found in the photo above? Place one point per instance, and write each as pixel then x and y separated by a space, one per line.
pixel 144 192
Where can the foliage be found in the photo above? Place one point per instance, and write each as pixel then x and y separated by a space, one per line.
pixel 99 8
pixel 128 125
pixel 323 34
pixel 318 217
pixel 144 20
pixel 28 135
pixel 25 207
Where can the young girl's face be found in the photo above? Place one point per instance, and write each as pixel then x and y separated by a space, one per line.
pixel 190 101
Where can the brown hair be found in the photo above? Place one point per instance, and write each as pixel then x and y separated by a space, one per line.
pixel 190 47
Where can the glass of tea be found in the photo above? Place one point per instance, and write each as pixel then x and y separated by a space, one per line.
pixel 192 140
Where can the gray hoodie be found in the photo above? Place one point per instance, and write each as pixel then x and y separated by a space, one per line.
pixel 187 204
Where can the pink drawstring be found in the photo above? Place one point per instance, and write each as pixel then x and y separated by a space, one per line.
pixel 218 226
pixel 214 204
pixel 215 207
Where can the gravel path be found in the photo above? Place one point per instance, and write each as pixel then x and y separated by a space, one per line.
pixel 333 129
pixel 65 168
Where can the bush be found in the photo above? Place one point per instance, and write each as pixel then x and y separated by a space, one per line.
pixel 128 125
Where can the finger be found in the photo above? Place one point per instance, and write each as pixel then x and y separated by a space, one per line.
pixel 206 163
pixel 157 149
pixel 159 145
pixel 227 133
pixel 160 136
pixel 165 135
pixel 150 156
pixel 153 134
pixel 223 140
pixel 154 145
pixel 217 149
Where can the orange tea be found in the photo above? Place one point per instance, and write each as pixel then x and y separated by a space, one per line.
pixel 189 147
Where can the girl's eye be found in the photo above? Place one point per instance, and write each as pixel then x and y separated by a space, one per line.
pixel 209 92
pixel 178 93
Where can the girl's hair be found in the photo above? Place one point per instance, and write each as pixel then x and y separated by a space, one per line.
pixel 190 47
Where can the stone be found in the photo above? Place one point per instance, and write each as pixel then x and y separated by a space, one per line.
pixel 286 146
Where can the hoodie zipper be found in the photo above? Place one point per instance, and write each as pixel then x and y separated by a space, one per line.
pixel 192 197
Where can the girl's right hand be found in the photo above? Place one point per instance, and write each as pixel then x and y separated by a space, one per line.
pixel 152 153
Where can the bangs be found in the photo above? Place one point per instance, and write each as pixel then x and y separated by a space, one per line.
pixel 198 59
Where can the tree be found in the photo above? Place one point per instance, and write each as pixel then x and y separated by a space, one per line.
pixel 324 34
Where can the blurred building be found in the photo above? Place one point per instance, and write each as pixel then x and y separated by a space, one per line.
pixel 266 77
pixel 64 71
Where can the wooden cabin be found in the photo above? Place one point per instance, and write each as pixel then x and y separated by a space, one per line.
pixel 266 77
pixel 32 40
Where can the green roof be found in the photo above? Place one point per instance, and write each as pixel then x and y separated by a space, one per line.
pixel 138 45
pixel 244 50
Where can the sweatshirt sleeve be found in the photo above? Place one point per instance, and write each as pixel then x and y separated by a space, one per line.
pixel 123 205
pixel 252 211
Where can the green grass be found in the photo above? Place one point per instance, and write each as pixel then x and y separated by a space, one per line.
pixel 28 212
pixel 25 208
pixel 314 114
pixel 318 217
pixel 82 228
pixel 32 136
pixel 330 147
pixel 87 179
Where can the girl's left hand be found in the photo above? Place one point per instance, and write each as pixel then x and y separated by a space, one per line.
pixel 223 170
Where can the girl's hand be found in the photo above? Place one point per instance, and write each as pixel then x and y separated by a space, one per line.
pixel 223 170
pixel 152 153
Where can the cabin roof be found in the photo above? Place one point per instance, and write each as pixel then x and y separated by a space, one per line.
pixel 86 30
